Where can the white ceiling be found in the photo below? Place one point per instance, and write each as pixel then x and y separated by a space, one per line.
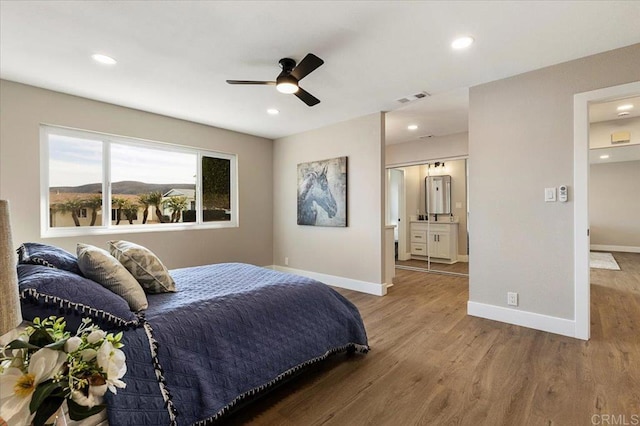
pixel 174 57
pixel 607 111
pixel 616 154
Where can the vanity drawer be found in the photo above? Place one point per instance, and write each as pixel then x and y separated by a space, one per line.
pixel 418 236
pixel 439 227
pixel 419 249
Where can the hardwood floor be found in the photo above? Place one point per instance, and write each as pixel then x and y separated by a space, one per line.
pixel 431 364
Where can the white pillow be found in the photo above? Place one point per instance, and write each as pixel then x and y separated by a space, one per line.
pixel 98 265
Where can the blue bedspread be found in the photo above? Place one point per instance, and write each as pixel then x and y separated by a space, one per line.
pixel 231 330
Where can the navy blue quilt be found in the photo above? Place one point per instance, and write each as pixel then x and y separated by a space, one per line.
pixel 230 331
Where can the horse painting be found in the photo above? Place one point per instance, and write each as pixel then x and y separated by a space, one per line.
pixel 315 193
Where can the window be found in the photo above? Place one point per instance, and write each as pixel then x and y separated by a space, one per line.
pixel 144 185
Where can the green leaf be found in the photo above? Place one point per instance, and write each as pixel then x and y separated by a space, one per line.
pixel 59 345
pixel 79 412
pixel 20 344
pixel 46 410
pixel 40 338
pixel 41 393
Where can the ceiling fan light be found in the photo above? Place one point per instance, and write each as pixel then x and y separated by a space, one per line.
pixel 286 84
pixel 287 87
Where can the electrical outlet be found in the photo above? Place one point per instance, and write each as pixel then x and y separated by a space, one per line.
pixel 512 299
pixel 286 261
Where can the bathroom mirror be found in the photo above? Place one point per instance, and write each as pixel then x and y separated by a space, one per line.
pixel 437 194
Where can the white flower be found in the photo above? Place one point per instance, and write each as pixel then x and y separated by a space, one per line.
pixel 112 362
pixel 72 344
pixel 17 387
pixel 98 391
pixel 88 354
pixel 88 401
pixel 95 336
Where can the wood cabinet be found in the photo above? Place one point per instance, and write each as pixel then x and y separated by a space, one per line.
pixel 436 240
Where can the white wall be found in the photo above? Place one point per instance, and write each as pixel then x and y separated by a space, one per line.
pixel 435 148
pixel 354 252
pixel 24 108
pixel 600 133
pixel 614 204
pixel 521 141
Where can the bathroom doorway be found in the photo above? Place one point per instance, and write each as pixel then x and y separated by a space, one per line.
pixel 433 214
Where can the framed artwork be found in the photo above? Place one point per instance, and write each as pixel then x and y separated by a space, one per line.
pixel 322 193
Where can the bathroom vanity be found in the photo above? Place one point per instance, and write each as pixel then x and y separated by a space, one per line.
pixel 438 240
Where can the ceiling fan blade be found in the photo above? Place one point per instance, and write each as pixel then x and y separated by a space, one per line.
pixel 268 83
pixel 306 66
pixel 306 97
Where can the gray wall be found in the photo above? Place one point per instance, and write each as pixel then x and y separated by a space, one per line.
pixel 435 148
pixel 24 108
pixel 521 141
pixel 614 204
pixel 355 251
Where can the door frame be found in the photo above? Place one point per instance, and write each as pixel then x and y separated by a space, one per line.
pixel 581 102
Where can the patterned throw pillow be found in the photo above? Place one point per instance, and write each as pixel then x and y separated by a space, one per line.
pixel 98 265
pixel 145 266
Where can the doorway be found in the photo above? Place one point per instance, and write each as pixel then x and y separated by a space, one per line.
pixel 433 216
pixel 582 239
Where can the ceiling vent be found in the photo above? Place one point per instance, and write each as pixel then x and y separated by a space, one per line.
pixel 412 98
pixel 620 137
pixel 425 136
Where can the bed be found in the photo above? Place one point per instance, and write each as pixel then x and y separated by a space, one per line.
pixel 229 333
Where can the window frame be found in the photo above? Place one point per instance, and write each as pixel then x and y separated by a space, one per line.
pixel 105 228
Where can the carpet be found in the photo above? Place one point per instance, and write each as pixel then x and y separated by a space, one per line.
pixel 603 261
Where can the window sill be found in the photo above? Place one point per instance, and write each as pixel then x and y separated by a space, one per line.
pixel 132 229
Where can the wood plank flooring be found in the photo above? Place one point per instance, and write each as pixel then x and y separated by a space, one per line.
pixel 431 364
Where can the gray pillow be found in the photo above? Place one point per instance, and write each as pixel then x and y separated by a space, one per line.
pixel 145 266
pixel 98 265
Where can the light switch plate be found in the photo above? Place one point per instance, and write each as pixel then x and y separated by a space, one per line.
pixel 550 195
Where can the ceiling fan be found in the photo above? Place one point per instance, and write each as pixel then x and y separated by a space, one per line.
pixel 287 81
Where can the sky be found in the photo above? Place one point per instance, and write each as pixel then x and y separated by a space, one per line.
pixel 76 161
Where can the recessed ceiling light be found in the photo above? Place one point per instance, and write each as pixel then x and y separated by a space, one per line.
pixel 412 127
pixel 273 111
pixel 626 107
pixel 623 113
pixel 604 157
pixel 462 42
pixel 104 59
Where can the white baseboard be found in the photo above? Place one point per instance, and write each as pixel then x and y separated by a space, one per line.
pixel 336 281
pixel 541 322
pixel 463 258
pixel 625 249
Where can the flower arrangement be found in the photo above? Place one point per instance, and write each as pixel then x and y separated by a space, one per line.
pixel 47 366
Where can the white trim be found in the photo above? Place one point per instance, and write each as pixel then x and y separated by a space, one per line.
pixel 336 281
pixel 581 241
pixel 624 249
pixel 463 258
pixel 541 322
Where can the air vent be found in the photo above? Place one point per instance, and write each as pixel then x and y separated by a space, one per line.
pixel 412 98
pixel 620 137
